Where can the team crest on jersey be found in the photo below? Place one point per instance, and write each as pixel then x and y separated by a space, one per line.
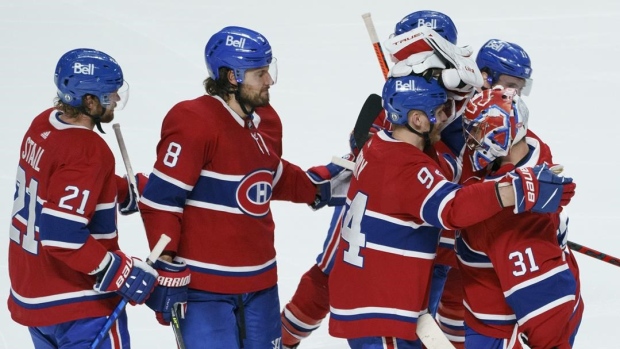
pixel 254 193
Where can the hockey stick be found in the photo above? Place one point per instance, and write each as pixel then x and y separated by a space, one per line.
pixel 374 38
pixel 131 180
pixel 594 253
pixel 369 112
pixel 373 104
pixel 348 164
pixel 557 169
pixel 157 250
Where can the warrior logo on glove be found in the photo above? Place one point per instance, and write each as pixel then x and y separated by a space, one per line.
pixel 168 281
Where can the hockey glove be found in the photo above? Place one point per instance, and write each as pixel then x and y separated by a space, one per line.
pixel 332 182
pixel 128 276
pixel 171 290
pixel 540 189
pixel 417 63
pixel 129 205
pixel 421 49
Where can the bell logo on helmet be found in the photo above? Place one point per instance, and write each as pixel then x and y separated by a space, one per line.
pixel 495 45
pixel 405 86
pixel 431 24
pixel 230 41
pixel 88 69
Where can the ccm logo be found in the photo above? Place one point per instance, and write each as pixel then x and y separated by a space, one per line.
pixel 529 184
pixel 125 273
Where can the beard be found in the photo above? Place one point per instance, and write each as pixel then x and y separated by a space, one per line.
pixel 107 116
pixel 252 98
pixel 435 135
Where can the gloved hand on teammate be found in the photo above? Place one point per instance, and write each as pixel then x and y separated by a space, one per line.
pixel 424 52
pixel 128 276
pixel 171 290
pixel 540 189
pixel 332 182
pixel 127 195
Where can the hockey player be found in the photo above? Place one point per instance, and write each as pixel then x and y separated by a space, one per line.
pixel 505 64
pixel 380 280
pixel 66 270
pixel 217 170
pixel 310 303
pixel 500 62
pixel 518 283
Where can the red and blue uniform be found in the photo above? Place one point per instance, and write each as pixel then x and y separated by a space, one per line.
pixel 63 223
pixel 210 190
pixel 379 285
pixel 515 273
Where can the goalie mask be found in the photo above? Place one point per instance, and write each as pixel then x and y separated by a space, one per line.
pixel 493 121
pixel 498 57
pixel 239 49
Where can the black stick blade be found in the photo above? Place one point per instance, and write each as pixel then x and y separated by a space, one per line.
pixel 370 110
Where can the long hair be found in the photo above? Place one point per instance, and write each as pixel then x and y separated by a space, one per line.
pixel 220 87
pixel 69 111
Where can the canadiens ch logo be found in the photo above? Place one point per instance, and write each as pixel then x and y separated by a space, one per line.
pixel 254 193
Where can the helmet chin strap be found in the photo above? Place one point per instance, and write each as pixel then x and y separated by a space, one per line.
pixel 242 102
pixel 425 135
pixel 96 118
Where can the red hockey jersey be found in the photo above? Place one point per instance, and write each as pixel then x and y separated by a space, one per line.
pixel 211 188
pixel 398 201
pixel 63 222
pixel 515 271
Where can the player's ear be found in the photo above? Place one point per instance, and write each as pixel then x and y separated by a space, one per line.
pixel 231 77
pixel 415 118
pixel 89 102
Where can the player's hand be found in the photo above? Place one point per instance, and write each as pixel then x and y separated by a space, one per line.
pixel 128 276
pixel 171 290
pixel 417 63
pixel 540 189
pixel 332 182
pixel 129 204
pixel 422 51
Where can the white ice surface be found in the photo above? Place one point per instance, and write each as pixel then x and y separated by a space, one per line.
pixel 326 69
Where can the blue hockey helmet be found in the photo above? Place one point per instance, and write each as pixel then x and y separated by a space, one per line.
pixel 86 71
pixel 438 21
pixel 412 92
pixel 238 49
pixel 498 57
